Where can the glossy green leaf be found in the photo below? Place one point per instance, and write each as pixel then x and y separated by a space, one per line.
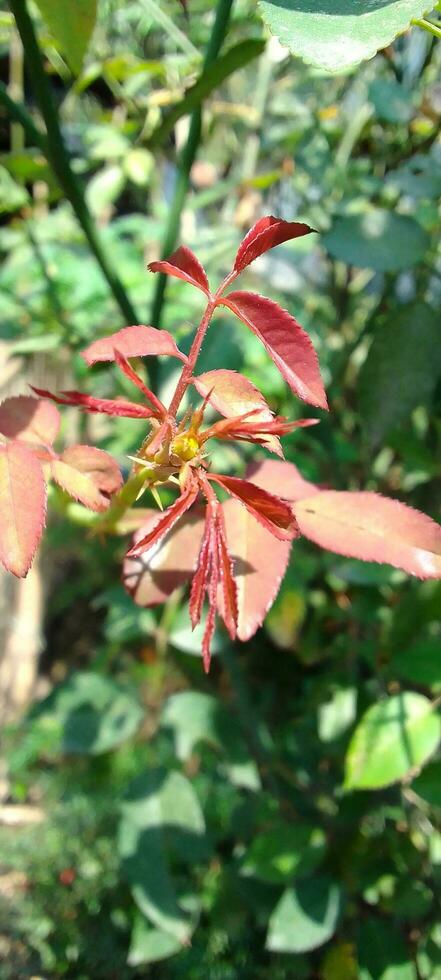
pixel 429 955
pixel 93 713
pixel 382 952
pixel 72 23
pixel 393 737
pixel 337 34
pixel 305 917
pixel 428 783
pixel 377 239
pixel 286 851
pixel 407 350
pixel 161 817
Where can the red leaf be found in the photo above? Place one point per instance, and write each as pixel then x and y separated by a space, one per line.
pixel 105 406
pixel 136 341
pixel 260 563
pixel 227 591
pixel 265 234
pixel 274 514
pixel 131 374
pixel 29 419
pixel 183 264
pixel 204 567
pixel 151 577
pixel 165 522
pixel 368 526
pixel 286 342
pixel 232 394
pixel 87 474
pixel 283 479
pixel 22 507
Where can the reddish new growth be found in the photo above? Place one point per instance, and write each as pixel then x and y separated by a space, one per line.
pixel 234 553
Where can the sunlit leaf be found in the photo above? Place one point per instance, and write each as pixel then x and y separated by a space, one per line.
pixel 29 419
pixel 305 917
pixel 22 507
pixel 265 234
pixel 257 581
pixel 152 576
pixel 393 737
pixel 333 35
pixel 269 510
pixel 183 264
pixel 286 342
pixel 374 528
pixel 138 341
pixel 87 474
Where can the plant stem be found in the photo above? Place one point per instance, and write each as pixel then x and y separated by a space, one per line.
pixel 18 112
pixel 189 366
pixel 427 25
pixel 187 158
pixel 58 157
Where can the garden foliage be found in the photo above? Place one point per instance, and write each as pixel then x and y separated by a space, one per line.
pixel 279 817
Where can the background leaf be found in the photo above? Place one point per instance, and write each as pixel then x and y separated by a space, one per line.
pixel 377 239
pixel 72 23
pixel 305 917
pixel 393 737
pixel 161 814
pixel 405 350
pixel 334 35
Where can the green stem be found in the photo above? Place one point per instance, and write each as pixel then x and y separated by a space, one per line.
pixel 58 156
pixel 18 112
pixel 427 25
pixel 187 158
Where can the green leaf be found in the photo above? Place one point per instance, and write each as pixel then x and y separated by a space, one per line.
pixel 392 738
pixel 338 34
pixel 391 101
pixel 93 713
pixel 429 955
pixel 149 945
pixel 382 954
pixel 337 714
pixel 428 784
pixel 420 663
pixel 211 78
pixel 195 718
pixel 405 350
pixel 184 638
pixel 305 917
pixel 377 239
pixel 71 22
pixel 12 195
pixel 161 816
pixel 104 188
pixel 279 854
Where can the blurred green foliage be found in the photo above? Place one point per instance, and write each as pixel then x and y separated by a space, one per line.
pixel 283 813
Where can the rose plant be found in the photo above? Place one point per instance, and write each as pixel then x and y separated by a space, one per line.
pixel 234 551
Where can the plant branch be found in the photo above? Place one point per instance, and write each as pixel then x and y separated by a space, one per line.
pixel 18 112
pixel 427 25
pixel 187 158
pixel 53 146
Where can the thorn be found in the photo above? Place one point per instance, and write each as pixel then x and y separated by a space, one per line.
pixel 156 497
